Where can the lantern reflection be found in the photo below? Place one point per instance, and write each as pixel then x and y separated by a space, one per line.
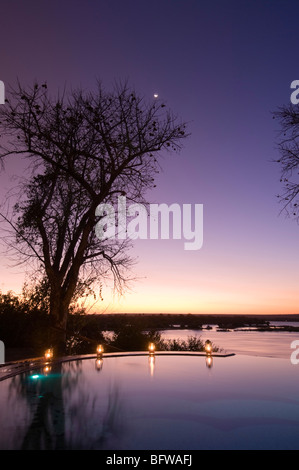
pixel 151 363
pixel 46 370
pixel 209 361
pixel 99 364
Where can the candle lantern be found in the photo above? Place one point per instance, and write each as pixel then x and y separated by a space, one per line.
pixel 49 354
pixel 208 347
pixel 151 348
pixel 100 351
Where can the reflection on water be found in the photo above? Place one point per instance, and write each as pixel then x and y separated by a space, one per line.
pixel 256 343
pixel 159 402
pixel 54 409
pixel 151 362
pixel 99 364
pixel 95 411
pixel 35 403
pixel 46 430
pixel 209 362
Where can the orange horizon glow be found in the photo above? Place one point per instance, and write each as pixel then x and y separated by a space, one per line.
pixel 153 296
pixel 199 283
pixel 203 304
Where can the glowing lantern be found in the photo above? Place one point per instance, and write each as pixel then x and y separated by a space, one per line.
pixel 49 354
pixel 100 350
pixel 208 347
pixel 151 348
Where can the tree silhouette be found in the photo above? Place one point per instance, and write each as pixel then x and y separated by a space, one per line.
pixel 83 149
pixel 288 146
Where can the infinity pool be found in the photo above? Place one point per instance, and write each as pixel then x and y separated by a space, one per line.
pixel 134 402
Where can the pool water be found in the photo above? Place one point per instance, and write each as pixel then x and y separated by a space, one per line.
pixel 134 402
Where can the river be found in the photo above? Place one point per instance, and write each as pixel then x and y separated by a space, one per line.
pixel 253 343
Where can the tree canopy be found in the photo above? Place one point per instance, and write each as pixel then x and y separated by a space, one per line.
pixel 83 149
pixel 288 147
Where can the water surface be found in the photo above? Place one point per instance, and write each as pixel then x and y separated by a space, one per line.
pixel 255 343
pixel 166 402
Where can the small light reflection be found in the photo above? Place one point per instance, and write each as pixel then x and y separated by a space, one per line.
pixel 99 364
pixel 47 370
pixel 209 361
pixel 151 362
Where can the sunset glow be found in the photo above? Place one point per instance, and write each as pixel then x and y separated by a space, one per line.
pixel 216 79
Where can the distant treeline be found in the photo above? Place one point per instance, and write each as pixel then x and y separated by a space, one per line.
pixel 26 326
pixel 114 322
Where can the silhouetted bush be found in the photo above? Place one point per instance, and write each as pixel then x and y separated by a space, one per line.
pixel 193 343
pixel 21 326
pixel 131 338
pixel 25 324
pixel 83 334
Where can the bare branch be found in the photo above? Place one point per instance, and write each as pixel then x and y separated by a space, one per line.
pixel 84 149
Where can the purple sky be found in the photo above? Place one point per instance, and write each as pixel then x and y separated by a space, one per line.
pixel 223 66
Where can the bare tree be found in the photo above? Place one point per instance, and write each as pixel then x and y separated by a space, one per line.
pixel 288 146
pixel 83 149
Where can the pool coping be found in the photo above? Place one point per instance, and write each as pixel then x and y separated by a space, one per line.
pixel 11 369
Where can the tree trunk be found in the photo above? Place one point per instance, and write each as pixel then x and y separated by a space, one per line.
pixel 61 297
pixel 59 313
